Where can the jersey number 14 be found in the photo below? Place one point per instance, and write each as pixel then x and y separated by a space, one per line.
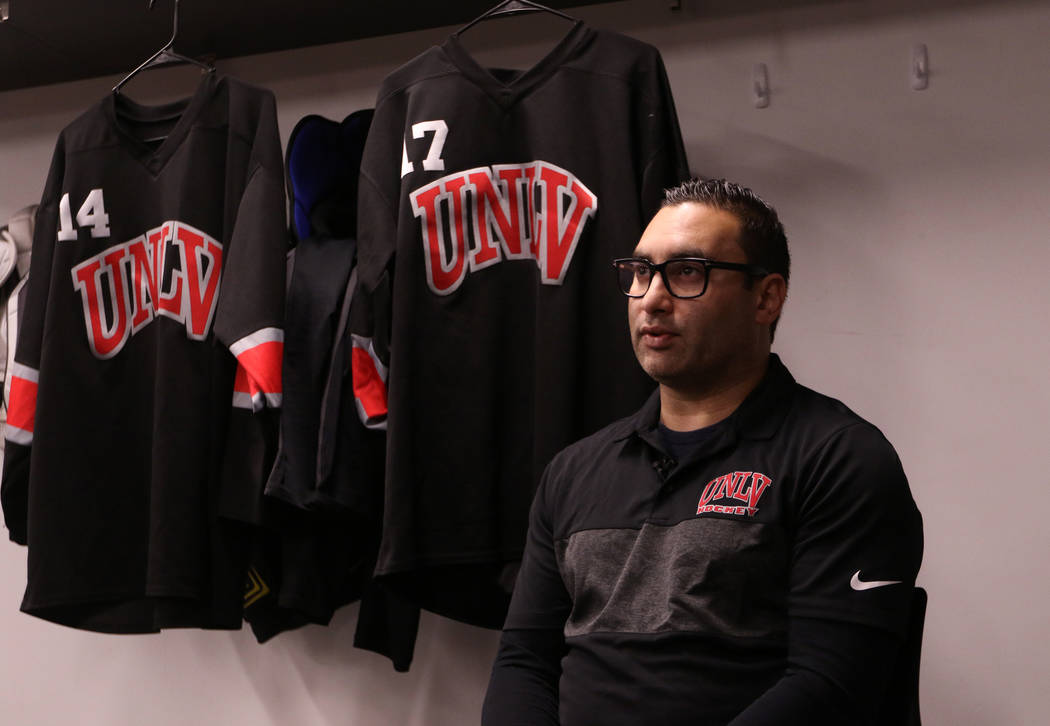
pixel 92 213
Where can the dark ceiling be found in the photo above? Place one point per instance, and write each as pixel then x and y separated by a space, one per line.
pixel 51 41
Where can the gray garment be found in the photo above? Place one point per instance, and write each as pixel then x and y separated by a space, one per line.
pixel 16 245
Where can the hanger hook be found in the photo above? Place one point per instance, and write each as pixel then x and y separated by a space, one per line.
pixel 174 19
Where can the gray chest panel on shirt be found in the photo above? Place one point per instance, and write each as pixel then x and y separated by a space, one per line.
pixel 705 575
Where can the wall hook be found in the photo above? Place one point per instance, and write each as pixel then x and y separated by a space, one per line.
pixel 920 67
pixel 760 85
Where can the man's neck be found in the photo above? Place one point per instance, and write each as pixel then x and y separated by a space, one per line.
pixel 683 410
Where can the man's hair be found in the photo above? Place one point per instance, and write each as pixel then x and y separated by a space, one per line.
pixel 761 234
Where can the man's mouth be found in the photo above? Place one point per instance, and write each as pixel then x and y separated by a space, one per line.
pixel 655 336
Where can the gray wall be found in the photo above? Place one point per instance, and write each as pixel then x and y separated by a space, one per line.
pixel 918 222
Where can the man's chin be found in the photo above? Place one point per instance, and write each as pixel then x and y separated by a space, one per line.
pixel 665 375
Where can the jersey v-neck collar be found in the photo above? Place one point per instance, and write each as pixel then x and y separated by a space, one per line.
pixel 120 109
pixel 506 93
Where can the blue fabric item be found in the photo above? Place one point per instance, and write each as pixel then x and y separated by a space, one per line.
pixel 323 160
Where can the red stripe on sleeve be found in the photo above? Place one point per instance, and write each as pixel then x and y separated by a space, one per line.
pixel 263 365
pixel 21 411
pixel 369 387
pixel 246 395
pixel 258 380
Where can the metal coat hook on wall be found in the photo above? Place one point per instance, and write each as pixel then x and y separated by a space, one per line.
pixel 760 85
pixel 920 67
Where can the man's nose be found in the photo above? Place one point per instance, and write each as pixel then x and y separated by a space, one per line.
pixel 657 296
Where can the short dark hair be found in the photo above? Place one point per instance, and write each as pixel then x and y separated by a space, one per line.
pixel 762 235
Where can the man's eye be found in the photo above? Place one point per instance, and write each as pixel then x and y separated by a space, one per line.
pixel 687 270
pixel 641 271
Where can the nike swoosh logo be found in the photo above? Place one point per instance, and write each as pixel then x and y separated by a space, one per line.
pixel 858 584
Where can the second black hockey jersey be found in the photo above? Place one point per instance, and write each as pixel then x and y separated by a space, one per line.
pixel 491 205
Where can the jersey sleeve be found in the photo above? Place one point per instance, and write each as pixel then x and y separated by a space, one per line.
pixel 249 322
pixel 24 375
pixel 665 163
pixel 858 541
pixel 370 351
pixel 249 318
pixel 373 302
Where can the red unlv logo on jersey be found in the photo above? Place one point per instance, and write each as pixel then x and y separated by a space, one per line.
pixel 534 211
pixel 172 270
pixel 745 487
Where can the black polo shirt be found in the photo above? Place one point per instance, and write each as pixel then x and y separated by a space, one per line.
pixel 675 582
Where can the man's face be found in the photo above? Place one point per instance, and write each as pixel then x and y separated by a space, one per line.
pixel 692 345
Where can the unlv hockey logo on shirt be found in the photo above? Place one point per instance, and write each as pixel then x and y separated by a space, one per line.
pixel 172 270
pixel 534 211
pixel 738 493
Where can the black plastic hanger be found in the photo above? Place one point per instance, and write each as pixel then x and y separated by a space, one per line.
pixel 513 7
pixel 166 55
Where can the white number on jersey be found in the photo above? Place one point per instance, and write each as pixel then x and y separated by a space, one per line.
pixel 433 160
pixel 92 213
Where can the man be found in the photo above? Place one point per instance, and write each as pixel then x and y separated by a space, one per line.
pixel 740 551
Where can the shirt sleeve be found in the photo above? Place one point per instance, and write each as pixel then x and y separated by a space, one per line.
pixel 523 688
pixel 857 550
pixel 836 674
pixel 857 534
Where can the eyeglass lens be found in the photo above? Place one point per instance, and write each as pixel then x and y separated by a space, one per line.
pixel 684 277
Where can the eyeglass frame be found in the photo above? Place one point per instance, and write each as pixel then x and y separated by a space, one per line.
pixel 708 265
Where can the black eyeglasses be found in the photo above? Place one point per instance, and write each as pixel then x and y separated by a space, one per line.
pixel 684 277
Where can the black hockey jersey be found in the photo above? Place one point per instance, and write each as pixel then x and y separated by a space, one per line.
pixel 155 302
pixel 491 205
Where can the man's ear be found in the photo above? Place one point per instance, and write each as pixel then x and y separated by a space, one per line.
pixel 770 293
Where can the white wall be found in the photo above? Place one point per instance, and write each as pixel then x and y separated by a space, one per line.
pixel 918 222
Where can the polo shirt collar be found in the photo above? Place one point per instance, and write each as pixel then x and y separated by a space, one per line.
pixel 758 417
